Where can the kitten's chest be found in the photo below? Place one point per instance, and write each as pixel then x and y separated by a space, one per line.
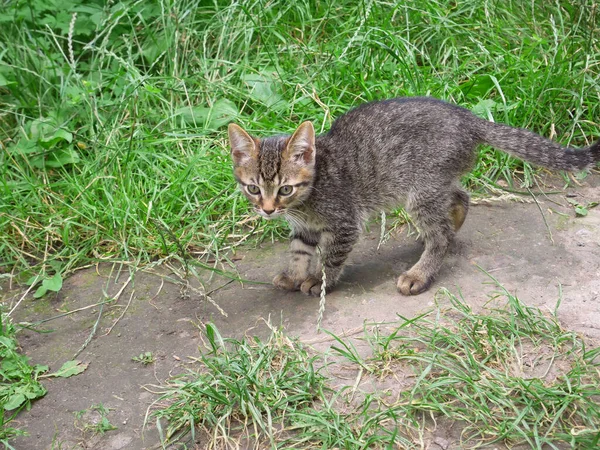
pixel 306 219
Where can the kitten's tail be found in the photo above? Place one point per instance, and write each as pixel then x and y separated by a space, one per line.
pixel 537 149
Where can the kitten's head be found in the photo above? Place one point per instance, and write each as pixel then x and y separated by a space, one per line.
pixel 275 173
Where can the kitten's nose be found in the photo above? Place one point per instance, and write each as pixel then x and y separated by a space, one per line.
pixel 268 212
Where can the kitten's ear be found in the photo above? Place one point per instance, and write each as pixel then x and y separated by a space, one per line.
pixel 301 146
pixel 242 145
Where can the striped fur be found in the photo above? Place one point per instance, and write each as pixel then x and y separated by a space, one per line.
pixel 409 151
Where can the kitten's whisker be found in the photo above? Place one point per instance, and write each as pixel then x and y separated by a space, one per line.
pixel 295 219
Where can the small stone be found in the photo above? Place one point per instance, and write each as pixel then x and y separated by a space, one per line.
pixel 444 443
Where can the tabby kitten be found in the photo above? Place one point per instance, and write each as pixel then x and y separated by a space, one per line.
pixel 409 151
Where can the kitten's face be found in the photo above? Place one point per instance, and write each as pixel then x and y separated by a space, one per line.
pixel 275 173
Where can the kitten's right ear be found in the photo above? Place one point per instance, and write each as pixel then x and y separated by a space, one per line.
pixel 242 145
pixel 301 146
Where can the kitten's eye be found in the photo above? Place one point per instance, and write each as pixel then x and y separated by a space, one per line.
pixel 253 189
pixel 286 190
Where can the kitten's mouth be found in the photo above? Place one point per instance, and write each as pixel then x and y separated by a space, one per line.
pixel 273 215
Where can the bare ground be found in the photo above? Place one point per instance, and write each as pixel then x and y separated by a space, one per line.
pixel 509 240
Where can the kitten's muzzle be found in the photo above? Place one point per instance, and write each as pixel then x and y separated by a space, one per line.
pixel 269 213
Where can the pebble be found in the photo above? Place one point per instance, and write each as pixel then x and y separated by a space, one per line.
pixel 444 443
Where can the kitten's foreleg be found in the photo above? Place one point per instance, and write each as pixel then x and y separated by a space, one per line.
pixel 335 247
pixel 303 260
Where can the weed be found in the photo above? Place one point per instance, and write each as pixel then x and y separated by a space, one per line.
pixel 19 380
pixel 144 358
pixel 19 384
pixel 94 420
pixel 8 433
pixel 581 210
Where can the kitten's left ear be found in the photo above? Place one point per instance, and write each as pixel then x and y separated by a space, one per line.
pixel 301 146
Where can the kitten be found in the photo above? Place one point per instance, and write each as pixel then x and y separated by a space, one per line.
pixel 409 151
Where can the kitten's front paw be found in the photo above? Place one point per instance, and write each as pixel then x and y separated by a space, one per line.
pixel 311 286
pixel 283 281
pixel 413 283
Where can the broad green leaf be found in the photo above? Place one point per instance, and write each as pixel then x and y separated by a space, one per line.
pixel 54 283
pixel 14 401
pixel 478 87
pixel 62 157
pixel 484 108
pixel 40 292
pixel 56 137
pixel 15 364
pixel 221 113
pixel 56 265
pixel 24 147
pixel 49 284
pixel 22 392
pixel 39 369
pixel 34 390
pixel 54 159
pixel 40 129
pixel 194 114
pixel 155 47
pixel 263 88
pixel 4 81
pixel 8 342
pixel 69 369
pixel 33 280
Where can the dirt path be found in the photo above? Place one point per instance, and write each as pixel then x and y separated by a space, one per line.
pixel 508 240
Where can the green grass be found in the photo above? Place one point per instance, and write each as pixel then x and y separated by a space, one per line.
pixel 19 383
pixel 509 374
pixel 246 386
pixel 112 123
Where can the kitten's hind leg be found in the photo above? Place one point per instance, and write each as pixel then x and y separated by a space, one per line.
pixel 459 208
pixel 303 253
pixel 437 228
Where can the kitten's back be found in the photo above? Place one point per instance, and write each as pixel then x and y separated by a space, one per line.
pixel 383 148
